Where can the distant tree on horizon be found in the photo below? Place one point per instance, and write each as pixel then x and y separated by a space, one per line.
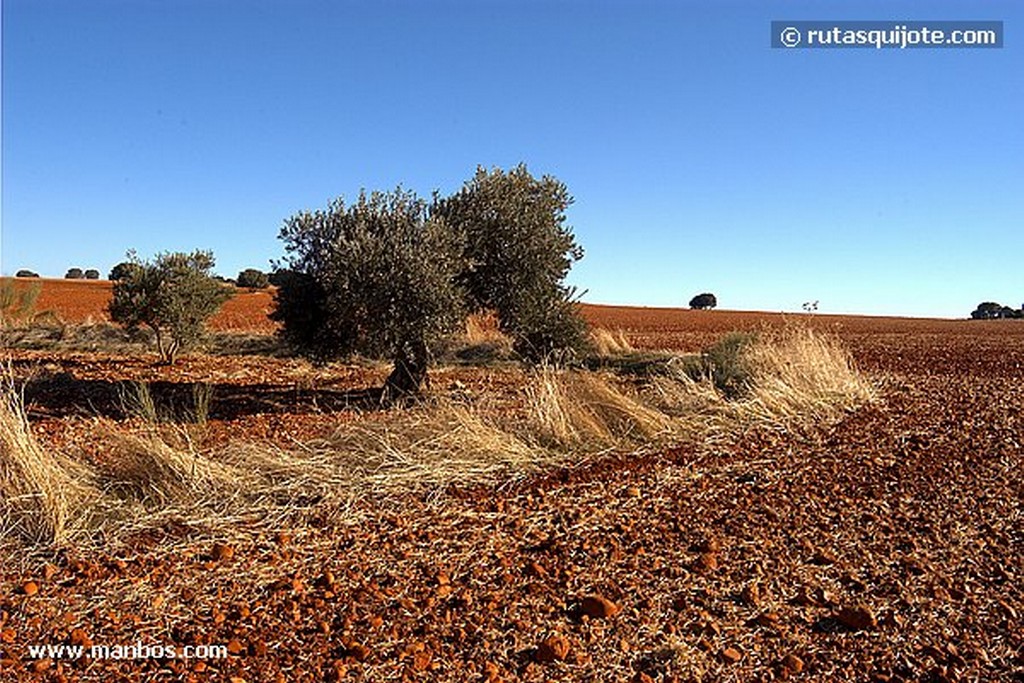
pixel 703 301
pixel 92 274
pixel 73 274
pixel 252 279
pixel 122 270
pixel 26 273
pixel 990 310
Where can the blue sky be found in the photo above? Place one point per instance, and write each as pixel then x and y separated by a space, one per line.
pixel 879 182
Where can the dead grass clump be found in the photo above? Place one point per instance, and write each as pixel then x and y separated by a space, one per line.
pixel 143 481
pixel 610 342
pixel 435 445
pixel 568 408
pixel 17 300
pixel 41 494
pixel 483 340
pixel 151 471
pixel 800 374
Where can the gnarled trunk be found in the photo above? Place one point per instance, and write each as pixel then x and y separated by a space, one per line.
pixel 409 375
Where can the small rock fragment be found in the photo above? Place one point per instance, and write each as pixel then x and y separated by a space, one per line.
pixel 707 562
pixel 792 663
pixel 358 652
pixel 731 655
pixel 858 618
pixel 554 649
pixel 222 552
pixel 598 607
pixel 30 588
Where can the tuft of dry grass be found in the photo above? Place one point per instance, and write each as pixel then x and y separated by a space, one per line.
pixel 610 342
pixel 41 494
pixel 568 408
pixel 797 373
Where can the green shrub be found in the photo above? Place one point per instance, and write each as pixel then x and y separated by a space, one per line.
pixel 725 364
pixel 253 279
pixel 74 274
pixel 174 295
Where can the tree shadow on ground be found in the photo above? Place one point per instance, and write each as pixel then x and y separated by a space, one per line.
pixel 60 394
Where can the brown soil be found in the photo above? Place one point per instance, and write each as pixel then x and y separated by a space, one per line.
pixel 887 547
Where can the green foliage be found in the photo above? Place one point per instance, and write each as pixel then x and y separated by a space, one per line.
pixel 989 310
pixel 174 295
pixel 518 252
pixel 704 301
pixel 253 279
pixel 123 270
pixel 17 302
pixel 92 274
pixel 376 277
pixel 725 364
pixel 73 274
pixel 26 273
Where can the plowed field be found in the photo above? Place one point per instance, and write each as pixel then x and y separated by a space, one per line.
pixel 886 547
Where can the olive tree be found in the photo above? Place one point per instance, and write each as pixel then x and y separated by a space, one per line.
pixel 252 279
pixel 518 251
pixel 174 295
pixel 376 277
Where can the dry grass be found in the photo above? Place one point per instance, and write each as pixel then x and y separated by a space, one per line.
pixel 805 375
pixel 42 495
pixel 610 342
pixel 565 417
pixel 568 409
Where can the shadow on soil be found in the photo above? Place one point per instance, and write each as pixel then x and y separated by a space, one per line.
pixel 60 394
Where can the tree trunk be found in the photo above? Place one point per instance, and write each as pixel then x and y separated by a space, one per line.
pixel 410 372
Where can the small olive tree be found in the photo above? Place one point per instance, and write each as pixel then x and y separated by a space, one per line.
pixel 174 295
pixel 518 251
pixel 376 277
pixel 252 279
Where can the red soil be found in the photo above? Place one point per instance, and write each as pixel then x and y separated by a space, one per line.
pixel 887 547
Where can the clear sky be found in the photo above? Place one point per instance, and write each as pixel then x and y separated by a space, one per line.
pixel 701 159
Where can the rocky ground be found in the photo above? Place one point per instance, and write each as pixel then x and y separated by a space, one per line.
pixel 887 547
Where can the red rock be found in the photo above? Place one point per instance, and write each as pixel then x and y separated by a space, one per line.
pixel 599 607
pixel 235 647
pixel 358 652
pixel 767 619
pixel 79 637
pixel 731 655
pixel 222 552
pixel 421 661
pixel 553 649
pixel 707 562
pixel 857 618
pixel 793 663
pixel 30 588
